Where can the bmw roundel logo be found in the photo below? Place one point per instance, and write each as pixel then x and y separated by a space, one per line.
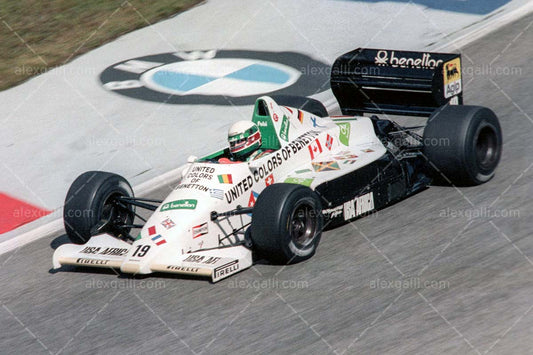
pixel 220 77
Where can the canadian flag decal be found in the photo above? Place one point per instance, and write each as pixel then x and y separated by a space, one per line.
pixel 329 142
pixel 315 148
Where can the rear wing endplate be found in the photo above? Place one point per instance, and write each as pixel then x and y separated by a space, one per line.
pixel 396 82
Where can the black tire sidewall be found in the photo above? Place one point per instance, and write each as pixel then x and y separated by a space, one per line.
pixel 85 202
pixel 478 173
pixel 271 219
pixel 460 126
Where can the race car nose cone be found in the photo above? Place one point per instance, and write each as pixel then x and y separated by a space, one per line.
pixel 130 268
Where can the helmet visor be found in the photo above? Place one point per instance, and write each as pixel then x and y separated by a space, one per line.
pixel 240 143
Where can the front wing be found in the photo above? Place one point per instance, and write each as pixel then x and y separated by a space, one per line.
pixel 107 251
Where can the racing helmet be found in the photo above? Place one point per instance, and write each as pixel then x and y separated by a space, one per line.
pixel 244 138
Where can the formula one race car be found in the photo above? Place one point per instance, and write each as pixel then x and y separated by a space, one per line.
pixel 320 172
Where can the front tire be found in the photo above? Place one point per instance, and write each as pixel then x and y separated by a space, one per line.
pixel 287 223
pixel 463 143
pixel 91 199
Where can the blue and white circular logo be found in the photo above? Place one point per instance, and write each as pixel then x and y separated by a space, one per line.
pixel 229 77
pixel 215 77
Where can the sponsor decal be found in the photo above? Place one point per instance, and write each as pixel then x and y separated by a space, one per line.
pixel 384 58
pixel 226 269
pixel 192 187
pixel 275 117
pixel 269 180
pixel 333 212
pixel 344 132
pixel 349 161
pixel 315 149
pixel 91 261
pixel 90 250
pixel 168 223
pixel 452 78
pixel 275 160
pixel 199 173
pixel 151 230
pixel 199 230
pixel 253 197
pixel 225 179
pixel 368 151
pixel 158 240
pixel 202 259
pixel 114 251
pixel 358 206
pixel 325 166
pixel 179 205
pixel 299 181
pixel 300 116
pixel 345 155
pixel 284 130
pixel 219 77
pixel 216 193
pixel 105 251
pixel 329 142
pixel 262 124
pixel 313 121
pixel 183 268
pixel 303 171
pixel 288 109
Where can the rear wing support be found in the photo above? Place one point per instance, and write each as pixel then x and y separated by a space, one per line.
pixel 396 82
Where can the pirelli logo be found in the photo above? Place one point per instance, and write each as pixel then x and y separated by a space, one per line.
pixel 86 261
pixel 183 268
pixel 226 269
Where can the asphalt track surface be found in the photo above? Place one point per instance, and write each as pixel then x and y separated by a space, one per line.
pixel 446 271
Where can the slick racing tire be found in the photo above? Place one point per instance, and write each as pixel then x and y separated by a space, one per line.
pixel 91 199
pixel 287 223
pixel 303 103
pixel 463 144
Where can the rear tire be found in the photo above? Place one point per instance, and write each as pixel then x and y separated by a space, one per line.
pixel 287 223
pixel 463 144
pixel 91 198
pixel 303 103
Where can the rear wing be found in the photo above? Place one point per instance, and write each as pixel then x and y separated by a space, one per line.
pixel 396 82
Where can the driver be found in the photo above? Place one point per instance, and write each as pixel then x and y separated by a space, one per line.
pixel 245 142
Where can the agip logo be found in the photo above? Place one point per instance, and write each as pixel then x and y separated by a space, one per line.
pixel 214 77
pixel 452 78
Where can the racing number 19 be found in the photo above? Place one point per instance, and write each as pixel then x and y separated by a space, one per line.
pixel 141 250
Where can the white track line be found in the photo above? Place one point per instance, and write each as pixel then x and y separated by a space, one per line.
pixel 486 28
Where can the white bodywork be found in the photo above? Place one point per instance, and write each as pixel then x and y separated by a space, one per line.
pixel 180 236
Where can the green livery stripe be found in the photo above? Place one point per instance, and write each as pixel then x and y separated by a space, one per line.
pixel 299 181
pixel 179 205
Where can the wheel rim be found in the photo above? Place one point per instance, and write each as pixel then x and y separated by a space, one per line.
pixel 116 214
pixel 303 225
pixel 486 148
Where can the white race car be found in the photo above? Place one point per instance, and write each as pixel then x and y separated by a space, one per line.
pixel 318 171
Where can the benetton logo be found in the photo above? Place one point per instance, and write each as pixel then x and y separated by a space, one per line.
pixel 424 62
pixel 179 205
